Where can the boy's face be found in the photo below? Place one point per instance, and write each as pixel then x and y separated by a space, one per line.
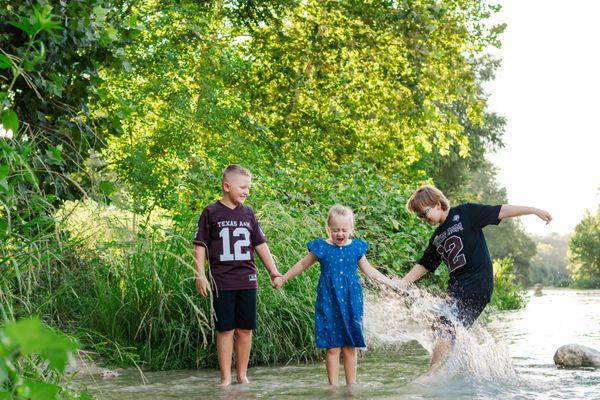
pixel 237 187
pixel 340 230
pixel 432 215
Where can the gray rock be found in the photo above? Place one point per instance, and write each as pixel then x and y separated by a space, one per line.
pixel 575 355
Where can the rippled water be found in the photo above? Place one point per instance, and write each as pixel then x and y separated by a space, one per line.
pixel 510 357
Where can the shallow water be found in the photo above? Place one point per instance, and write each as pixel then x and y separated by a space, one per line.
pixel 510 357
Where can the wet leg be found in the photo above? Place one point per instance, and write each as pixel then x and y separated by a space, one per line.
pixel 350 364
pixel 224 353
pixel 332 363
pixel 243 344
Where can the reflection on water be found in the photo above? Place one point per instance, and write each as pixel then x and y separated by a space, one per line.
pixel 525 340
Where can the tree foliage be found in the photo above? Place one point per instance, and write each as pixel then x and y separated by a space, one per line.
pixel 549 266
pixel 307 87
pixel 584 251
pixel 49 60
pixel 508 293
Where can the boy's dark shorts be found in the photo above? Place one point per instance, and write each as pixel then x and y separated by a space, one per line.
pixel 466 312
pixel 235 309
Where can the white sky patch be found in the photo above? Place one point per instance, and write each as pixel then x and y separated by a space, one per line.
pixel 548 88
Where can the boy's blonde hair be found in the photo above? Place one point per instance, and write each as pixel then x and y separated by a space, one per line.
pixel 426 196
pixel 234 169
pixel 339 210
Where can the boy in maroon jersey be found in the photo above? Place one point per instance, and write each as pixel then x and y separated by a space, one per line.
pixel 230 233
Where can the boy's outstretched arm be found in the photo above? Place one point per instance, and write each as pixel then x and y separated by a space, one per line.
pixel 296 269
pixel 372 273
pixel 266 257
pixel 202 285
pixel 508 211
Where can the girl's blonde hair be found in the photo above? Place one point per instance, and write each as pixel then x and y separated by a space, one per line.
pixel 426 196
pixel 339 210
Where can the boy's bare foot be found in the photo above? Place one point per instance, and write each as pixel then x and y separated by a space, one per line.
pixel 224 383
pixel 243 380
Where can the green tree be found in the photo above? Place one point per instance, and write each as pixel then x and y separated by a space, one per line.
pixel 549 266
pixel 49 58
pixel 453 173
pixel 294 91
pixel 49 54
pixel 584 251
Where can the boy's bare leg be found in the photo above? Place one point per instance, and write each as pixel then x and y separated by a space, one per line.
pixel 224 353
pixel 440 349
pixel 350 364
pixel 332 363
pixel 243 344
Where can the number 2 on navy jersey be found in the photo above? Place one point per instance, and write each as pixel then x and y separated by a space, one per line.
pixel 450 252
pixel 238 254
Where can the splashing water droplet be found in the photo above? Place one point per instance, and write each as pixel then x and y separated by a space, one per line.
pixel 392 319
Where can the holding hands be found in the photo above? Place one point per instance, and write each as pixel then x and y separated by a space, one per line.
pixel 277 282
pixel 398 284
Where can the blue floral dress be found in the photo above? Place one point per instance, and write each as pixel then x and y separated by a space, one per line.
pixel 339 306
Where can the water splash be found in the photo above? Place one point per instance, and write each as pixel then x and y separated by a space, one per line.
pixel 393 319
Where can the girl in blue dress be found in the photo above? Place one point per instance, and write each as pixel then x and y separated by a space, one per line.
pixel 339 306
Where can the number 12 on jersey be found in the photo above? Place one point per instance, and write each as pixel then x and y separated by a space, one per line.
pixel 450 252
pixel 240 238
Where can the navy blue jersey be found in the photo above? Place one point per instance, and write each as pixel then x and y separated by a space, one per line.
pixel 460 243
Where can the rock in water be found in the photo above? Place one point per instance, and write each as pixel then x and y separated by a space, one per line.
pixel 108 374
pixel 575 355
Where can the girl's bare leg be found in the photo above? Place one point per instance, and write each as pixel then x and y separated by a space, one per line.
pixel 332 362
pixel 350 364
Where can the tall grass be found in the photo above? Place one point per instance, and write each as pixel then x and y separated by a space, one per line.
pixel 140 304
pixel 135 299
pixel 33 253
pixel 124 284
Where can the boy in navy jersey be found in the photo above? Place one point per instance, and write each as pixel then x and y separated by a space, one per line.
pixel 459 242
pixel 230 233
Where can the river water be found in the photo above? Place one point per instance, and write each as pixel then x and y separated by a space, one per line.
pixel 507 356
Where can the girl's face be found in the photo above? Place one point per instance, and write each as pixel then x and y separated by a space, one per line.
pixel 339 230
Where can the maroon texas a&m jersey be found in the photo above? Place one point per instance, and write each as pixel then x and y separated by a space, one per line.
pixel 230 236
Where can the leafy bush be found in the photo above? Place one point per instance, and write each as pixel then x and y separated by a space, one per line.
pixel 32 362
pixel 508 294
